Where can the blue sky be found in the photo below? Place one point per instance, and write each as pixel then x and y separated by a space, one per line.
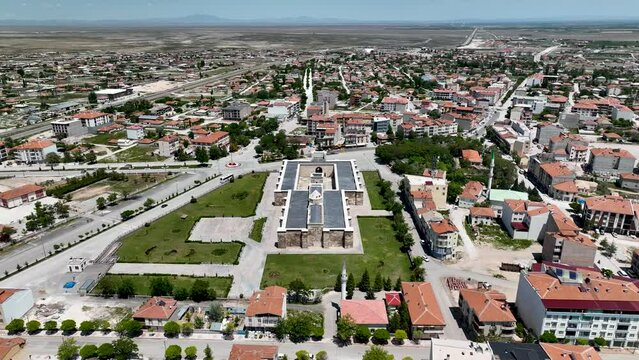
pixel 369 10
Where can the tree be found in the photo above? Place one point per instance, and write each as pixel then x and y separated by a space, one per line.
pixel 398 284
pixel 129 328
pixel 33 326
pixel 148 203
pixel 161 286
pixel 229 330
pixel 365 282
pixel 370 294
pixel 190 352
pixel 548 337
pixel 388 285
pixel 102 324
pixel 173 352
pixel 112 197
pixel 87 327
pixel 346 328
pixel 61 209
pixel 15 326
pixel 124 348
pixel 198 323
pixel 200 290
pixel 93 98
pixel 381 336
pixel 362 334
pixel 217 153
pixel 378 285
pixel 68 349
pixel 51 326
pixel 171 329
pixel 302 355
pixel 127 214
pixel 90 157
pixel 216 312
pixel 377 353
pixel 52 159
pixel 126 289
pixel 208 354
pixel 298 290
pixel 180 294
pixel 400 336
pixel 338 283
pixel 106 351
pixel 89 351
pixel 350 286
pixel 187 329
pixel 101 203
pixel 599 341
pixel 201 155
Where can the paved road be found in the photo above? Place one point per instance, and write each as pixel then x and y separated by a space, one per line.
pixel 39 347
pixel 546 51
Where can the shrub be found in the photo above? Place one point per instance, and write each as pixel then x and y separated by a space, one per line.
pixel 171 329
pixel 68 326
pixel 173 352
pixel 381 336
pixel 15 326
pixel 322 355
pixel 51 326
pixel 87 327
pixel 89 351
pixel 33 326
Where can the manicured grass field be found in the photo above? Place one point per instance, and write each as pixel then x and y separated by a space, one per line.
pixel 141 282
pixel 103 139
pixel 374 192
pixel 381 254
pixel 165 240
pixel 258 227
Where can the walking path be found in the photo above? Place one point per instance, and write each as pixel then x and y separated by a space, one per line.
pixel 341 76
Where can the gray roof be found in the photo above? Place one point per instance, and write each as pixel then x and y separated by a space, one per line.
pixel 288 177
pixel 334 210
pixel 514 351
pixel 297 210
pixel 315 212
pixel 345 174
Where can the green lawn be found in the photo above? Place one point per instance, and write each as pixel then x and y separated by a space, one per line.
pixel 496 236
pixel 165 240
pixel 256 231
pixel 141 282
pixel 374 192
pixel 103 139
pixel 381 253
pixel 135 154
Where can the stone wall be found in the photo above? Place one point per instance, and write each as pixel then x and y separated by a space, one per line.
pixel 314 237
pixel 354 197
pixel 280 198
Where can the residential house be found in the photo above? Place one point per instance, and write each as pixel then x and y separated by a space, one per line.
pixel 394 104
pixel 525 220
pixel 34 151
pixel 485 313
pixel 14 303
pixel 570 248
pixel 253 352
pixel 564 191
pixel 442 238
pixel 369 313
pixel 91 120
pixel 426 318
pixel 481 216
pixel 156 312
pixel 579 303
pixel 470 194
pixel 605 161
pixel 266 308
pixel 472 156
pixel 611 213
pixel 21 195
pixel 569 351
pixel 547 174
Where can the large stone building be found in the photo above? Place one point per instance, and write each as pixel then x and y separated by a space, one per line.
pixel 316 194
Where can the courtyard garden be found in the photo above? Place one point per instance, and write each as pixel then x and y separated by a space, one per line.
pixel 381 254
pixel 166 239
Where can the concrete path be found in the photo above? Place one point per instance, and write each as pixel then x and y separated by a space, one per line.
pixel 458 216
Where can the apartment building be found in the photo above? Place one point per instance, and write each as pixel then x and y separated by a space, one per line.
pixel 545 131
pixel 167 145
pixel 525 220
pixel 442 237
pixel 436 185
pixel 394 104
pixel 236 111
pixel 93 119
pixel 68 128
pixel 266 308
pixel 547 174
pixel 606 161
pixel 611 213
pixel 570 248
pixel 34 151
pixel 579 303
pixel 135 132
pixel 634 264
pixel 470 194
pixel 485 312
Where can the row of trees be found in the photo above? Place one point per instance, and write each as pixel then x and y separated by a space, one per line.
pixel 159 286
pixel 366 286
pixel 119 349
pixel 347 330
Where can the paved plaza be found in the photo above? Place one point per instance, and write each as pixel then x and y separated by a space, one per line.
pixel 224 229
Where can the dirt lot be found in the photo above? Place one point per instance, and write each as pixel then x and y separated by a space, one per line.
pixel 490 259
pixel 90 192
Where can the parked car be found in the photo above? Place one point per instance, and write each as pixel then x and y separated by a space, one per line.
pixel 622 273
pixel 425 258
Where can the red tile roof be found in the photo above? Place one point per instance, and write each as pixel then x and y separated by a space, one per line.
pixel 89 115
pixel 571 352
pixel 34 145
pixel 472 190
pixel 488 305
pixel 567 187
pixel 20 191
pixel 422 304
pixel 269 301
pixel 393 299
pixel 442 227
pixel 611 152
pixel 611 204
pixel 156 308
pixel 472 156
pixel 482 211
pixel 8 344
pixel 365 312
pixel 211 139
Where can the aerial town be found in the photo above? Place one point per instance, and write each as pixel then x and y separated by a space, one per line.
pixel 473 195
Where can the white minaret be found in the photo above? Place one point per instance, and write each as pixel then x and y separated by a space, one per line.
pixel 490 175
pixel 344 279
